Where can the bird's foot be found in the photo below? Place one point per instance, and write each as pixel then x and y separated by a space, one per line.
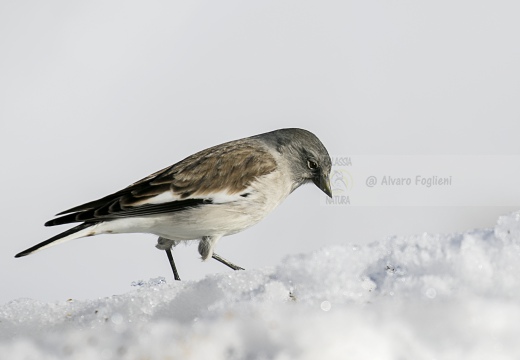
pixel 226 262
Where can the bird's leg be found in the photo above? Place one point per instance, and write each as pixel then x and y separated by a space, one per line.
pixel 172 264
pixel 206 245
pixel 167 245
pixel 226 262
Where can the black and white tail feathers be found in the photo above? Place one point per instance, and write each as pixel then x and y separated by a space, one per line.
pixel 74 233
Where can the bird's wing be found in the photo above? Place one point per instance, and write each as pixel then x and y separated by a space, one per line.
pixel 218 174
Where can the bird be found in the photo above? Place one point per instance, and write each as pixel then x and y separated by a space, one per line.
pixel 215 192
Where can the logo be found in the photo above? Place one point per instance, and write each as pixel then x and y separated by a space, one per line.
pixel 341 181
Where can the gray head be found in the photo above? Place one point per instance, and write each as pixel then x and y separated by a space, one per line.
pixel 308 158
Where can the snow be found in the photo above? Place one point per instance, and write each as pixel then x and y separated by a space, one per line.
pixel 427 296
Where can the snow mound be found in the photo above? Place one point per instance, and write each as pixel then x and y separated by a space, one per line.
pixel 418 297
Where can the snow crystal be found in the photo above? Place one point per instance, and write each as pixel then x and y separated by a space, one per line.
pixel 416 297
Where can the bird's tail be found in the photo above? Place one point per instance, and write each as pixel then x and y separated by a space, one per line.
pixel 82 230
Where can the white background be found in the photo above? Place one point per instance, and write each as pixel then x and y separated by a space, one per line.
pixel 94 96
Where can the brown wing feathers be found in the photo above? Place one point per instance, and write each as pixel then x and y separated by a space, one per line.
pixel 226 168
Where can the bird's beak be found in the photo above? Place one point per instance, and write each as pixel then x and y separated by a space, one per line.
pixel 323 183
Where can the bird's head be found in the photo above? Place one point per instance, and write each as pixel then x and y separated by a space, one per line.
pixel 306 155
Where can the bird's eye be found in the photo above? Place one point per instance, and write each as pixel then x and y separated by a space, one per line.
pixel 312 164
